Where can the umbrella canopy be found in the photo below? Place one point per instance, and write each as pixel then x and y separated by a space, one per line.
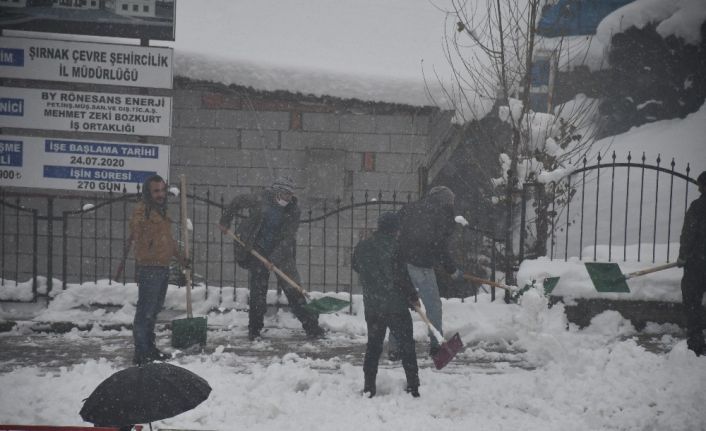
pixel 144 394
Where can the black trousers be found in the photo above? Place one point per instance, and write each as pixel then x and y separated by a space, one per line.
pixel 258 280
pixel 693 287
pixel 400 325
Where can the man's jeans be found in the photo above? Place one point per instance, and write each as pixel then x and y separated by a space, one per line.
pixel 424 280
pixel 152 289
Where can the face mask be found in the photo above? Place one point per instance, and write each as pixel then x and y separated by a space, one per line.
pixel 282 202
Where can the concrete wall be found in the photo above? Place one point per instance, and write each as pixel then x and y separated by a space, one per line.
pixel 230 140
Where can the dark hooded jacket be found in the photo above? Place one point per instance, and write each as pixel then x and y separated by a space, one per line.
pixel 425 230
pixel 692 248
pixel 252 229
pixel 385 289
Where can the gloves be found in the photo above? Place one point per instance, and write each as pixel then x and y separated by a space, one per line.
pixel 681 263
pixel 457 275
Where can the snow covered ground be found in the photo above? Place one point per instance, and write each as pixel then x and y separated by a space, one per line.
pixel 524 367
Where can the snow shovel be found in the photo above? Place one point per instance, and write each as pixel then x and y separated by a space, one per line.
pixel 470 277
pixel 549 284
pixel 607 277
pixel 192 330
pixel 447 349
pixel 323 305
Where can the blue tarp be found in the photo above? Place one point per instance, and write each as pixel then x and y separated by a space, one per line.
pixel 576 17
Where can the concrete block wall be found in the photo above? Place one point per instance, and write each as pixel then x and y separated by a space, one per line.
pixel 231 140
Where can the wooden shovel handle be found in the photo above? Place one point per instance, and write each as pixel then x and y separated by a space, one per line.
pixel 651 270
pixel 185 240
pixel 264 260
pixel 423 315
pixel 488 282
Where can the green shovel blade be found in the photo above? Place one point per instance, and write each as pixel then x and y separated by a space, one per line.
pixel 607 277
pixel 549 284
pixel 326 305
pixel 189 331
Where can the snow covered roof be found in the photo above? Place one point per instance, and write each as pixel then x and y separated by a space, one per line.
pixel 366 49
pixel 678 18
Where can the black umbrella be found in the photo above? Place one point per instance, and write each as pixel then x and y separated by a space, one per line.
pixel 144 394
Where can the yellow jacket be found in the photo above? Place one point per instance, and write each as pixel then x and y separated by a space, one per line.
pixel 154 244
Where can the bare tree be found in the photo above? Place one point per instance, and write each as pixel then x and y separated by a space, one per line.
pixel 491 47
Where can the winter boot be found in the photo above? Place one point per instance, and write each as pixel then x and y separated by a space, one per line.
pixel 253 335
pixel 413 391
pixel 141 359
pixel 157 355
pixel 315 332
pixel 369 387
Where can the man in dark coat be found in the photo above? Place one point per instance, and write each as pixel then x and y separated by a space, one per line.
pixel 425 229
pixel 270 228
pixel 692 256
pixel 386 304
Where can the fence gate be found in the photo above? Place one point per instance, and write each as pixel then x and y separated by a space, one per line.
pixel 607 211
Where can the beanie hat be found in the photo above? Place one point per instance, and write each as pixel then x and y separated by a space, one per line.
pixel 284 184
pixel 701 180
pixel 388 222
pixel 441 195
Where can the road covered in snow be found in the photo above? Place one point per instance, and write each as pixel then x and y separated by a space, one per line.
pixel 523 367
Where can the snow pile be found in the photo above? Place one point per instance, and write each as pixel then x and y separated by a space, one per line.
pixel 574 281
pixel 595 378
pixel 680 18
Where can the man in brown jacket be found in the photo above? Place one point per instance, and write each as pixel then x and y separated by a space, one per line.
pixel 151 232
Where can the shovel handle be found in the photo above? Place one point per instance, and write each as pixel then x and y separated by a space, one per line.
pixel 185 238
pixel 488 282
pixel 267 263
pixel 423 315
pixel 121 266
pixel 650 270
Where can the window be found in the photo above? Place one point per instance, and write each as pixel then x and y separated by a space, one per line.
pixel 93 2
pixel 124 6
pixel 135 8
pixel 145 8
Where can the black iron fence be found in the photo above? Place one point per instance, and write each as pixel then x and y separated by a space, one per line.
pixel 79 239
pixel 635 210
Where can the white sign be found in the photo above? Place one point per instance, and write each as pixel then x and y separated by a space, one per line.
pixel 70 164
pixel 95 63
pixel 77 111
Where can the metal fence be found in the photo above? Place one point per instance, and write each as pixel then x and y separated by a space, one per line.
pixel 79 239
pixel 634 209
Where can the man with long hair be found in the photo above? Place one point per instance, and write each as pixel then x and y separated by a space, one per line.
pixel 151 232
